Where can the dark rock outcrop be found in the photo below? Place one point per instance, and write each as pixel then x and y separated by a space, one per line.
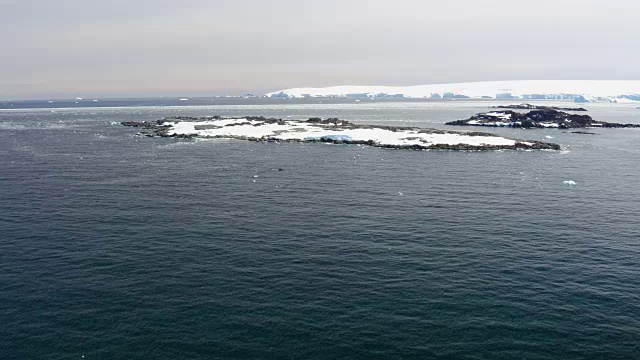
pixel 584 133
pixel 535 107
pixel 546 118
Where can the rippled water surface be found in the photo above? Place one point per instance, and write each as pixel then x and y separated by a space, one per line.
pixel 118 246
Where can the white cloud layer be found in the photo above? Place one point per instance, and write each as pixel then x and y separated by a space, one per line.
pixel 144 47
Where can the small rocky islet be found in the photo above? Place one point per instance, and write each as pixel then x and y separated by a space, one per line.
pixel 332 131
pixel 536 107
pixel 537 118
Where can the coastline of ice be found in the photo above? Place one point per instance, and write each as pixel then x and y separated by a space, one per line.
pixel 588 90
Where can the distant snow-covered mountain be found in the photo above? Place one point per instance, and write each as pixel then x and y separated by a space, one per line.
pixel 577 90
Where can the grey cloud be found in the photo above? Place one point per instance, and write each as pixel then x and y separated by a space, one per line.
pixel 138 47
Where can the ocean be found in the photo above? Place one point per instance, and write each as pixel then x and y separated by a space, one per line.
pixel 115 246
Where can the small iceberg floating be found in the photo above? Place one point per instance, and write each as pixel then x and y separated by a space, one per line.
pixel 569 183
pixel 184 99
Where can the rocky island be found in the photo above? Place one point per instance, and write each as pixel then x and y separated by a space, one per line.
pixel 332 130
pixel 536 107
pixel 545 118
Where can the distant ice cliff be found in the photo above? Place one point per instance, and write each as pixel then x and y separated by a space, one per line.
pixel 576 90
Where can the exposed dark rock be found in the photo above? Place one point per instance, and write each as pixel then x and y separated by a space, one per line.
pixel 143 124
pixel 151 128
pixel 207 127
pixel 584 133
pixel 544 118
pixel 535 107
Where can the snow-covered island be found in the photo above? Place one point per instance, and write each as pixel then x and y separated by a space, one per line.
pixel 618 91
pixel 536 107
pixel 330 131
pixel 543 118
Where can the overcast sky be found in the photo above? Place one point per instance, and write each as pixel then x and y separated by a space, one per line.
pixel 69 48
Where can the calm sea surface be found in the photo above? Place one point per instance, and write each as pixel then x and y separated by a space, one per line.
pixel 114 246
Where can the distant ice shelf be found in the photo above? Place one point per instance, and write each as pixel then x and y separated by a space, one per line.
pixel 574 90
pixel 331 131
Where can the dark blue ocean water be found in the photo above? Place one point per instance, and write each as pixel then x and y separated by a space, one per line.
pixel 114 246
